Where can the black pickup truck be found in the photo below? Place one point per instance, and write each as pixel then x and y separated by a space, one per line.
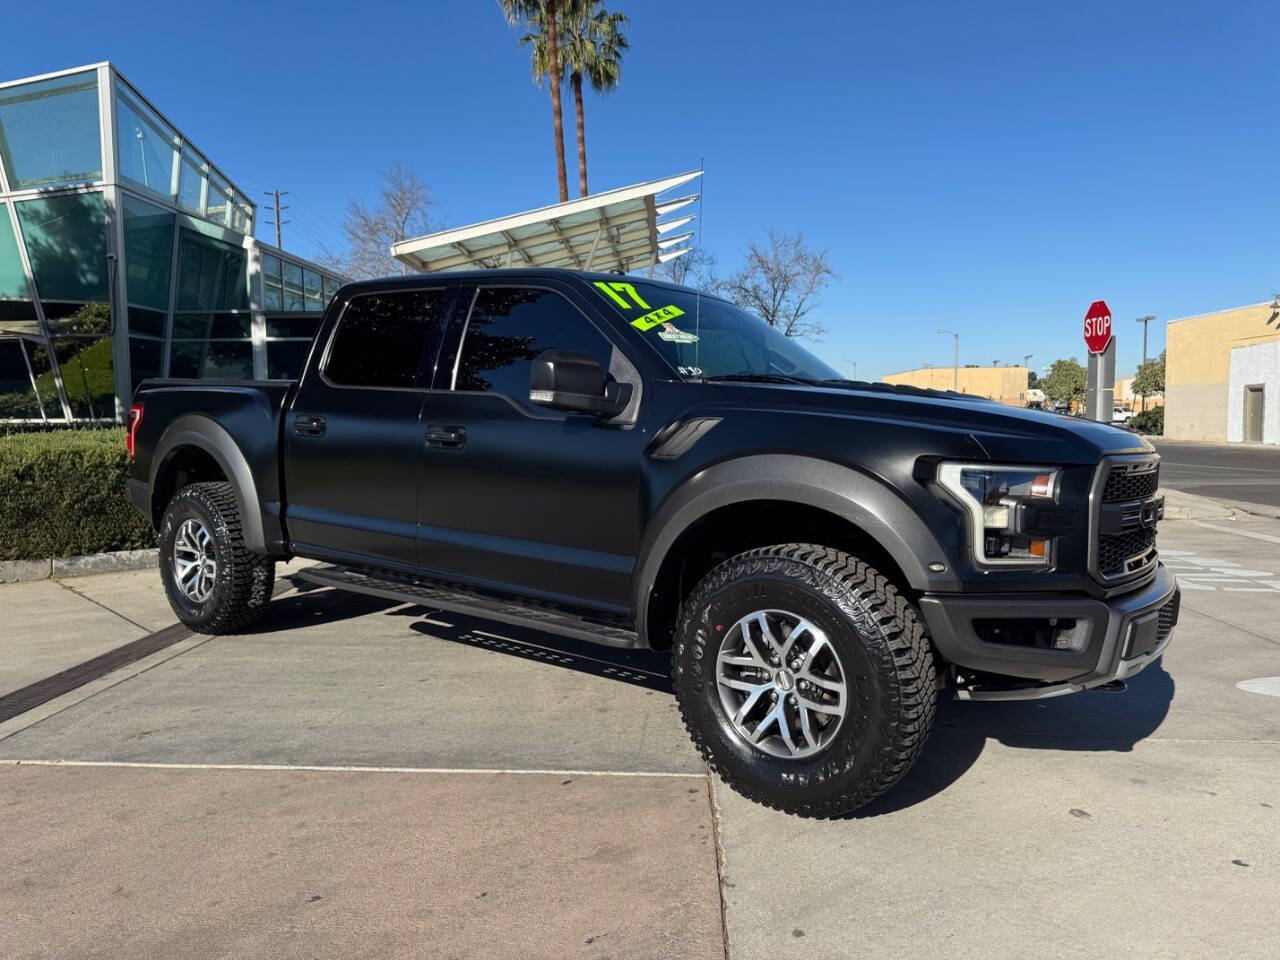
pixel 640 464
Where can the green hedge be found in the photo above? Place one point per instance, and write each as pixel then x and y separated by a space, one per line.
pixel 62 494
pixel 1150 422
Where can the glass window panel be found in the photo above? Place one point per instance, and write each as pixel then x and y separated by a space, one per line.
pixel 66 241
pixel 330 288
pixel 211 326
pixel 46 386
pixel 381 337
pixel 150 322
pixel 148 253
pixel 17 397
pixel 13 281
pixel 147 147
pixel 292 325
pixel 218 202
pixel 191 181
pixel 19 316
pixel 241 215
pixel 88 374
pixel 293 299
pixel 81 319
pixel 212 275
pixel 314 289
pixel 508 327
pixel 49 132
pixel 285 358
pixel 145 358
pixel 273 296
pixel 271 266
pixel 229 359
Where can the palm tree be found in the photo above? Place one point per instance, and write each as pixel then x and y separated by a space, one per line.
pixel 544 14
pixel 591 44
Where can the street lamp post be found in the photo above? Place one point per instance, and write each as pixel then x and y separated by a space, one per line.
pixel 854 364
pixel 955 368
pixel 1144 321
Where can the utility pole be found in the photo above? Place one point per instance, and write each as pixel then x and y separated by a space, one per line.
pixel 955 368
pixel 854 364
pixel 1144 321
pixel 277 194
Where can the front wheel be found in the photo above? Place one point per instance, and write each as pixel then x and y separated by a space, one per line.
pixel 805 678
pixel 214 583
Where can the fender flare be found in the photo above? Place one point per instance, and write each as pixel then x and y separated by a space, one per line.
pixel 866 502
pixel 195 430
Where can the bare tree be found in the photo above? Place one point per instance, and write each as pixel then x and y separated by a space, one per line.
pixel 401 211
pixel 697 269
pixel 780 283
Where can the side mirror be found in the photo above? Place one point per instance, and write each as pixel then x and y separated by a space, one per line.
pixel 567 380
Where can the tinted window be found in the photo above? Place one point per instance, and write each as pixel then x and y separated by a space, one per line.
pixel 509 327
pixel 381 337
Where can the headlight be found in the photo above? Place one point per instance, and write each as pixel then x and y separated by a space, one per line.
pixel 1000 501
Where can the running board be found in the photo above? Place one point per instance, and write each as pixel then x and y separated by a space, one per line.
pixel 442 597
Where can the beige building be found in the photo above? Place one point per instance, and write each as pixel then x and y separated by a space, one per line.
pixel 1006 384
pixel 1222 375
pixel 1126 398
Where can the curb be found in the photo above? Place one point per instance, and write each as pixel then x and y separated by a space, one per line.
pixel 16 571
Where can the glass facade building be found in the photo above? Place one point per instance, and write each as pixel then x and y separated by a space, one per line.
pixel 126 254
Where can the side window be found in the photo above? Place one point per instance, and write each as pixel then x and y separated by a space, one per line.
pixel 509 327
pixel 381 336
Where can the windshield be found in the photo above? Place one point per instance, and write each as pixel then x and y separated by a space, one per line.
pixel 703 337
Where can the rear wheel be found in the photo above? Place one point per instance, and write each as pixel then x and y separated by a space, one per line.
pixel 214 583
pixel 805 678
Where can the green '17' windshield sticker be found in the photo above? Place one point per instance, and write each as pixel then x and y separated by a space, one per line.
pixel 615 291
pixel 657 318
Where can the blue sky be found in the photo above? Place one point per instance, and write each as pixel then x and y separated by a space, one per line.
pixel 989 168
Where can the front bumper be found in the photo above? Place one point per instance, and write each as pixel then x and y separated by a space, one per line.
pixel 1115 639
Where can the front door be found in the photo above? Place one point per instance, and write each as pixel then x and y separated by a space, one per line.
pixel 516 496
pixel 353 437
pixel 1253 414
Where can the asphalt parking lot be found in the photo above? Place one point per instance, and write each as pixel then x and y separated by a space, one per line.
pixel 362 778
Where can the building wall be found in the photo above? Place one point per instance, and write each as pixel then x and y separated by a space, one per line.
pixel 1005 384
pixel 1256 365
pixel 1127 398
pixel 1198 367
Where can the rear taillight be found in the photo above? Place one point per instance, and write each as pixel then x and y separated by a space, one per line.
pixel 130 438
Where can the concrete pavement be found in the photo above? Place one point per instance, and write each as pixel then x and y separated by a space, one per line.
pixel 1143 822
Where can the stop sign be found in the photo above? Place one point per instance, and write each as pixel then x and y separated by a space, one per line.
pixel 1097 326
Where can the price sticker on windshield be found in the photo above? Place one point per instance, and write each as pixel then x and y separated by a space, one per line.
pixel 657 318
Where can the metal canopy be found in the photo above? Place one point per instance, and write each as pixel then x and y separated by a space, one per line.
pixel 620 231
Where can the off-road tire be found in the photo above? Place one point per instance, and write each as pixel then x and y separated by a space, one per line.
pixel 884 651
pixel 244 580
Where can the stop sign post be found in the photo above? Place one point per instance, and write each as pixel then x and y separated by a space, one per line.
pixel 1100 387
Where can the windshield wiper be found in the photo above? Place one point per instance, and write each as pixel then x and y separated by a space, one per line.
pixel 758 378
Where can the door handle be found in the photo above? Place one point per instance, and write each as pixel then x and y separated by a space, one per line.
pixel 446 438
pixel 309 426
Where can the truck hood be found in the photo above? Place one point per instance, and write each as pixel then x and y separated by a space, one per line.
pixel 983 428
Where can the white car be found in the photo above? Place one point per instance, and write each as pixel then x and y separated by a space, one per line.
pixel 1121 415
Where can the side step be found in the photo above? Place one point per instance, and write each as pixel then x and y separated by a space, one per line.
pixel 442 597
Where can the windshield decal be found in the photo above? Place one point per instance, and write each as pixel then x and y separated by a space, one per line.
pixel 657 318
pixel 615 290
pixel 673 334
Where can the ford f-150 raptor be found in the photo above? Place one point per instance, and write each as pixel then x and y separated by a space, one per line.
pixel 640 464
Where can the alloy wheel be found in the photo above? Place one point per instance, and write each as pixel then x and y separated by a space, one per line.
pixel 781 684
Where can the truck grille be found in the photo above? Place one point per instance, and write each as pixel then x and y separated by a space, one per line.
pixel 1123 484
pixel 1168 617
pixel 1125 512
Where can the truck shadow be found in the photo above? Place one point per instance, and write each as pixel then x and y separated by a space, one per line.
pixel 643 668
pixel 1083 721
pixel 1088 721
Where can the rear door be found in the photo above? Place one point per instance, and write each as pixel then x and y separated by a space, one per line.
pixel 517 496
pixel 353 437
